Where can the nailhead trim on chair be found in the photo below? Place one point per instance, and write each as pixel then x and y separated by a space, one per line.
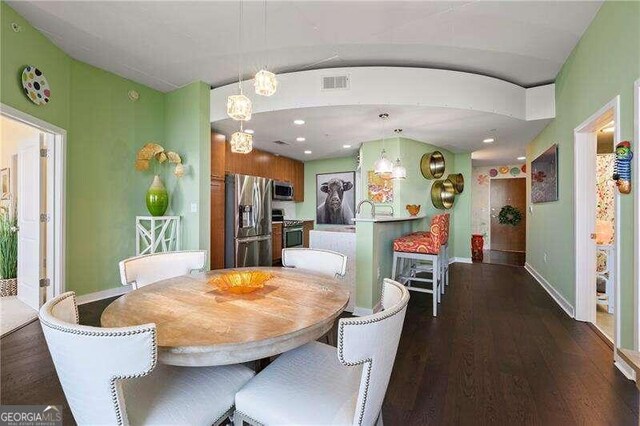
pixel 369 361
pixel 114 392
pixel 247 418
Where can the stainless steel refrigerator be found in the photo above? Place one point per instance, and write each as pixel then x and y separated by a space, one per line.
pixel 247 221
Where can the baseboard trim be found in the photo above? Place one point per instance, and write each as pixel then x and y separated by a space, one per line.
pixel 624 367
pixel 460 260
pixel 555 295
pixel 103 294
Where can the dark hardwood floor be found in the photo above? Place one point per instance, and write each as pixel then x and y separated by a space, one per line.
pixel 500 351
pixel 499 257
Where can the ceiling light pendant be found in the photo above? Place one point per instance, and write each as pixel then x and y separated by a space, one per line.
pixel 399 171
pixel 383 166
pixel 265 83
pixel 239 106
pixel 241 142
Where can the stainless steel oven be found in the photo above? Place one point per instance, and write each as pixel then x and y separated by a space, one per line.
pixel 292 234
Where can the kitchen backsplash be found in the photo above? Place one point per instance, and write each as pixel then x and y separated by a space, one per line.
pixel 289 208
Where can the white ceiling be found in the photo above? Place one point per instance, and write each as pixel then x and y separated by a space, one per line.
pixel 168 44
pixel 327 129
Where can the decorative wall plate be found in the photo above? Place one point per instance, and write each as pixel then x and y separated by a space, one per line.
pixel 458 182
pixel 442 194
pixel 35 85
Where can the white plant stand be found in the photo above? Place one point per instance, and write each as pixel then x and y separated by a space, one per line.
pixel 156 234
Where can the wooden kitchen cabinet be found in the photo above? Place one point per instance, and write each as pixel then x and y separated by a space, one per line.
pixel 217 224
pixel 218 156
pixel 256 163
pixel 307 226
pixel 276 242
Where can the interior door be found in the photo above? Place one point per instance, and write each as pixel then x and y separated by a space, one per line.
pixel 30 228
pixel 512 192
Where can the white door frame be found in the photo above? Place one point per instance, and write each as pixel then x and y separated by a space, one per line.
pixel 636 193
pixel 584 215
pixel 55 196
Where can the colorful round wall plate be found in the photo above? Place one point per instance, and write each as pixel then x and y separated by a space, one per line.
pixel 524 168
pixel 493 173
pixel 503 170
pixel 515 171
pixel 35 85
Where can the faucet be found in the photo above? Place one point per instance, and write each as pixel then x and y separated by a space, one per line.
pixel 373 208
pixel 387 205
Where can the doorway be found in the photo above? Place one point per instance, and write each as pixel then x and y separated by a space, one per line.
pixel 31 203
pixel 508 203
pixel 597 230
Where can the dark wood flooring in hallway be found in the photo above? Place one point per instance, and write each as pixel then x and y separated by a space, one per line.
pixel 500 352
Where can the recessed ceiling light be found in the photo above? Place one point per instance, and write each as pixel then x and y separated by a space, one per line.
pixel 300 139
pixel 488 140
pixel 522 158
pixel 250 131
pixel 307 152
pixel 346 146
pixel 298 122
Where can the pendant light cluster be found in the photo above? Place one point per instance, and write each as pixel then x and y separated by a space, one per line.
pixel 239 107
pixel 383 167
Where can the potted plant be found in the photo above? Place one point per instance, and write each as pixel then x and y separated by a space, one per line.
pixel 157 197
pixel 8 253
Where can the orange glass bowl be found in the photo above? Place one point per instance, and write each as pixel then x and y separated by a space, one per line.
pixel 413 209
pixel 240 282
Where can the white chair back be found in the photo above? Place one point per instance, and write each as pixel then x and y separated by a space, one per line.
pixel 373 342
pixel 325 262
pixel 150 268
pixel 91 361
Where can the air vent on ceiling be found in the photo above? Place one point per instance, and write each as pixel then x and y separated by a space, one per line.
pixel 280 143
pixel 335 82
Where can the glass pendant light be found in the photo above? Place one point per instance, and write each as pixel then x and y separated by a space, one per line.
pixel 241 142
pixel 383 166
pixel 265 82
pixel 399 171
pixel 239 106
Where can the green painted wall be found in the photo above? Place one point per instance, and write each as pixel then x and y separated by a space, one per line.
pixel 307 209
pixel 604 64
pixel 188 132
pixel 104 192
pixel 104 131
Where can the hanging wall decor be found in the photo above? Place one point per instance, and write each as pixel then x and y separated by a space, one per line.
pixel 432 165
pixel 379 189
pixel 622 170
pixel 442 194
pixel 509 215
pixel 458 182
pixel 35 85
pixel 544 176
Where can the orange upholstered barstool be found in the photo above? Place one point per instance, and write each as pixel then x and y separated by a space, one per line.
pixel 424 247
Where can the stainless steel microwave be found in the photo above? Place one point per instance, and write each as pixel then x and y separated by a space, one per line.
pixel 282 191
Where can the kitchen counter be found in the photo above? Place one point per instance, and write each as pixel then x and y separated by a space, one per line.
pixel 383 218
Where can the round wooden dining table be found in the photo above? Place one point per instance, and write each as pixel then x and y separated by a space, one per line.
pixel 198 325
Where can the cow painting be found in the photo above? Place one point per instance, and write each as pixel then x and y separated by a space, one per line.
pixel 335 198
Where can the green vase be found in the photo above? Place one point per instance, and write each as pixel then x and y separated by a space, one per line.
pixel 157 197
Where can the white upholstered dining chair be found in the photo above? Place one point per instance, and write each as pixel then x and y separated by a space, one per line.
pixel 325 262
pixel 149 268
pixel 315 385
pixel 110 376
